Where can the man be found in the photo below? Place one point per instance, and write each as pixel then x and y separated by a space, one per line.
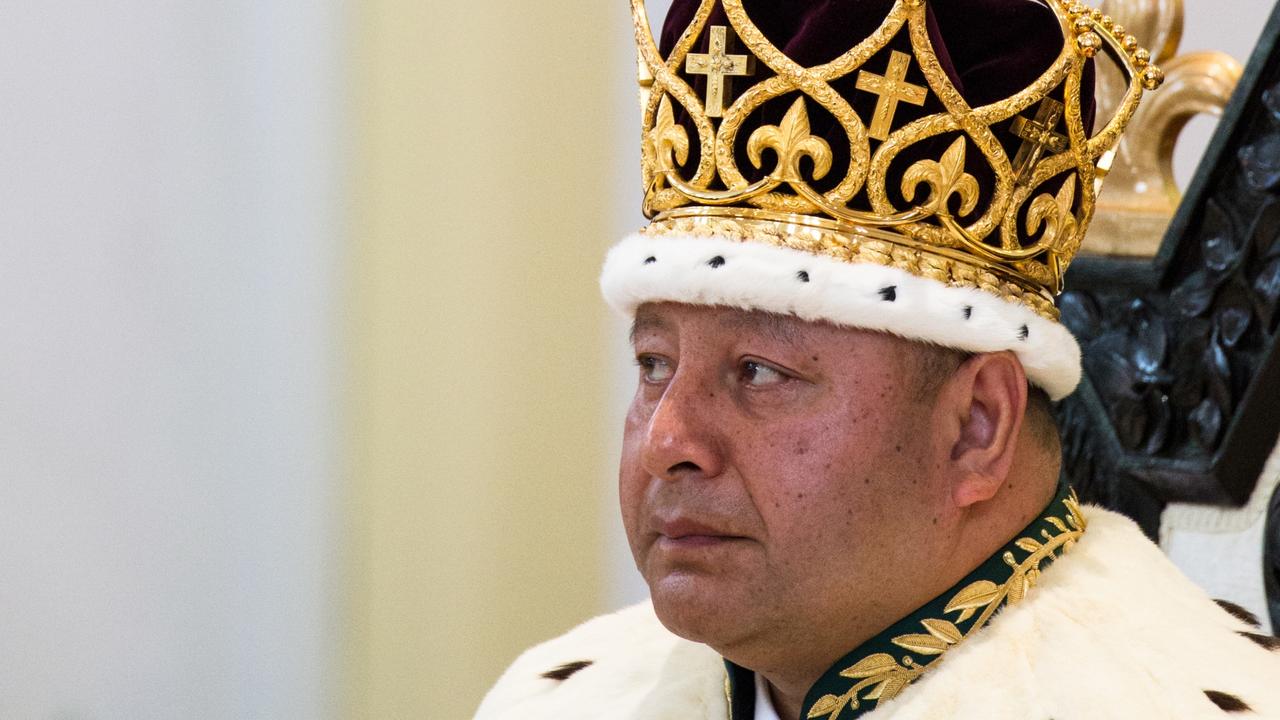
pixel 840 474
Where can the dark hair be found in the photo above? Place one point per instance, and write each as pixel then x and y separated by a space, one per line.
pixel 936 364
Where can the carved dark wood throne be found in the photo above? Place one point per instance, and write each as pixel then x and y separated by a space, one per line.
pixel 1180 403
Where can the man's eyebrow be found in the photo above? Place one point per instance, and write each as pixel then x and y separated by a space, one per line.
pixel 779 328
pixel 645 322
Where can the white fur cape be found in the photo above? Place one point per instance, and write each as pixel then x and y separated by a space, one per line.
pixel 1113 630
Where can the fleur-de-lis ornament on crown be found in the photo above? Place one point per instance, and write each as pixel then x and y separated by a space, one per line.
pixel 1015 235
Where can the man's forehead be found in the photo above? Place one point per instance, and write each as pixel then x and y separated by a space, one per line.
pixel 667 317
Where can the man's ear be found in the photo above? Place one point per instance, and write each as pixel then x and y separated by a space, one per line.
pixel 985 401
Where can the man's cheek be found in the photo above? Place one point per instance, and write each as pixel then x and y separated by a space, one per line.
pixel 631 498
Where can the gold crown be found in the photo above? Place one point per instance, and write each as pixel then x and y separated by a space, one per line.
pixel 1016 238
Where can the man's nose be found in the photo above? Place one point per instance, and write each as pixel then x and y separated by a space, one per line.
pixel 683 437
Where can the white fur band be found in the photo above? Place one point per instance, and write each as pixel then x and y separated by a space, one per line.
pixel 755 276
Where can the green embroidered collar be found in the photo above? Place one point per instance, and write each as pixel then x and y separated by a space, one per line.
pixel 883 666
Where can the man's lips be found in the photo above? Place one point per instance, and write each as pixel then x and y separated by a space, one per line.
pixel 686 532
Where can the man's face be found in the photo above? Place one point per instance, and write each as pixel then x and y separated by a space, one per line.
pixel 773 472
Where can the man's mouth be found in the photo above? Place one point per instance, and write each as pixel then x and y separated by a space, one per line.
pixel 688 533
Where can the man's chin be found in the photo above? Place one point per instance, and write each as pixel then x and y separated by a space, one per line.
pixel 699 608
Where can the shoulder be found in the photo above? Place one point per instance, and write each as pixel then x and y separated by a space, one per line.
pixel 1113 630
pixel 621 665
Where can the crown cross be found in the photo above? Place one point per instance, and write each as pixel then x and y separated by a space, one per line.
pixel 719 67
pixel 892 89
pixel 1037 136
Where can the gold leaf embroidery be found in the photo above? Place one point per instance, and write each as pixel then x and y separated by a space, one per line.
pixel 870 666
pixel 1028 544
pixel 1076 518
pixel 1033 576
pixel 1017 589
pixel 923 644
pixel 876 691
pixel 943 630
pixel 888 689
pixel 894 686
pixel 978 595
pixel 880 675
pixel 826 705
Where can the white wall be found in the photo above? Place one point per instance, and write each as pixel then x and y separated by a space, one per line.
pixel 1233 27
pixel 168 249
pixel 626 585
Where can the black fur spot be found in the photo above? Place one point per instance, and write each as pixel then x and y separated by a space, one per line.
pixel 1024 332
pixel 716 261
pixel 1239 613
pixel 1227 702
pixel 803 276
pixel 889 293
pixel 1266 641
pixel 650 260
pixel 968 312
pixel 567 670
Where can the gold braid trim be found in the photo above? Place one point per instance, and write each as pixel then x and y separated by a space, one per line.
pixel 852 244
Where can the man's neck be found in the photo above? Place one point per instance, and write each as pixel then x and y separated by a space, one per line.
pixel 787 705
pixel 791 681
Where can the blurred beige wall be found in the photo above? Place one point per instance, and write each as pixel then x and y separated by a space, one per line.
pixel 485 146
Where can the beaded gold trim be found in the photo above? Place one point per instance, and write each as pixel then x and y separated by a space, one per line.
pixel 853 244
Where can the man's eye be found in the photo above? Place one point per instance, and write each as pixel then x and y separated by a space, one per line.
pixel 758 374
pixel 653 369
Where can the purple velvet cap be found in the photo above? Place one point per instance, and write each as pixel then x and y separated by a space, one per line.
pixel 991 49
